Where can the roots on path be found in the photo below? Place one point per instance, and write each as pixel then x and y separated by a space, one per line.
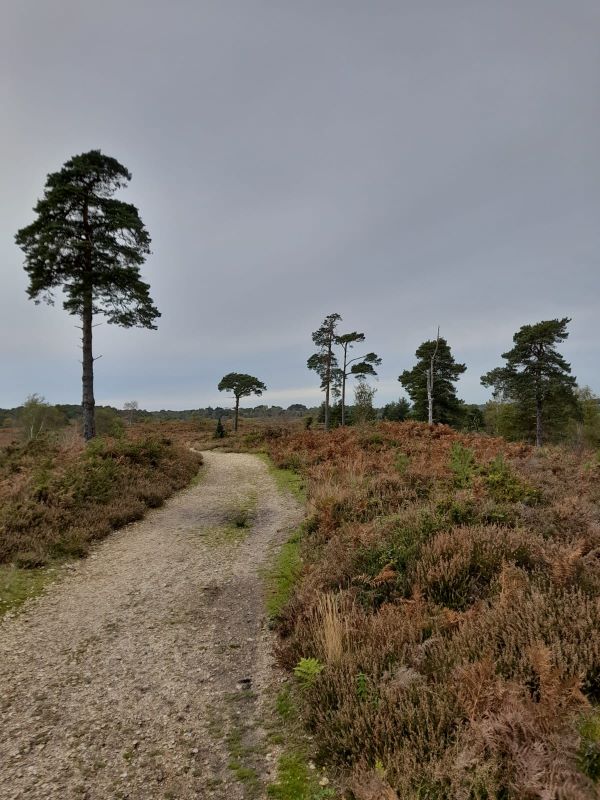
pixel 140 675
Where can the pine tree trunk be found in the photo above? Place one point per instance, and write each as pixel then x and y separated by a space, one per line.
pixel 237 410
pixel 327 386
pixel 344 385
pixel 87 400
pixel 431 379
pixel 539 433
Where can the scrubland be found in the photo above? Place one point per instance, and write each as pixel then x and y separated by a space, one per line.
pixel 445 622
pixel 57 496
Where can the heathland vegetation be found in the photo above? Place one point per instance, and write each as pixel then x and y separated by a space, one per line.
pixel 444 623
pixel 91 245
pixel 58 496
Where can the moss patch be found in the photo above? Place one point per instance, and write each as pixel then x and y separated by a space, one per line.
pixel 297 776
pixel 18 585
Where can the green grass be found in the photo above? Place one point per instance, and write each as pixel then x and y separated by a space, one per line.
pixel 18 585
pixel 284 704
pixel 589 748
pixel 199 476
pixel 287 480
pixel 282 576
pixel 218 535
pixel 295 779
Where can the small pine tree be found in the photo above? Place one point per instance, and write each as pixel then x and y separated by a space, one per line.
pixel 220 430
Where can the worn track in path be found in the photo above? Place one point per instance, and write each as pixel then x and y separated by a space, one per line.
pixel 141 674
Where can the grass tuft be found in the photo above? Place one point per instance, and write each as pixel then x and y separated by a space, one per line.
pixel 283 575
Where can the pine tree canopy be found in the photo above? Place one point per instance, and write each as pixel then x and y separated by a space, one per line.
pixel 446 405
pixel 241 385
pixel 536 377
pixel 89 243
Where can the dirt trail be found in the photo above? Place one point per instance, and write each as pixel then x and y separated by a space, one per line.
pixel 140 675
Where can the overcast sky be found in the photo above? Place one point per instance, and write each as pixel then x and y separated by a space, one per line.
pixel 404 164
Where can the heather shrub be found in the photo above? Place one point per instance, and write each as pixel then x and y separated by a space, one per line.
pixel 450 593
pixel 458 567
pixel 55 501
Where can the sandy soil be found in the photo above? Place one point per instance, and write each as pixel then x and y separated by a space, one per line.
pixel 141 674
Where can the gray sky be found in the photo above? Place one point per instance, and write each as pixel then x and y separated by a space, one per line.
pixel 405 164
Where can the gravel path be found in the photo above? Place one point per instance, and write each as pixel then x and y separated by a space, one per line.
pixel 140 674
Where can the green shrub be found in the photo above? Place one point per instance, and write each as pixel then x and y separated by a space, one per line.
pixel 307 670
pixel 401 462
pixel 462 465
pixel 109 423
pixel 589 748
pixel 504 485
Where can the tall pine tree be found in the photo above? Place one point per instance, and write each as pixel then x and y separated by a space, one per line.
pixel 91 245
pixel 536 377
pixel 324 361
pixel 359 366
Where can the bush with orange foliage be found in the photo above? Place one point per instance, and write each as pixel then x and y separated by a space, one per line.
pixel 451 588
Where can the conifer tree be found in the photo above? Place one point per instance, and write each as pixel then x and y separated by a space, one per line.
pixel 219 430
pixel 445 406
pixel 536 377
pixel 91 245
pixel 240 385
pixel 324 361
pixel 361 366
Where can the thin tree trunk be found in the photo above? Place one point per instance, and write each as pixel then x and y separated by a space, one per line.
pixel 430 394
pixel 344 386
pixel 327 386
pixel 87 400
pixel 539 433
pixel 430 380
pixel 237 409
